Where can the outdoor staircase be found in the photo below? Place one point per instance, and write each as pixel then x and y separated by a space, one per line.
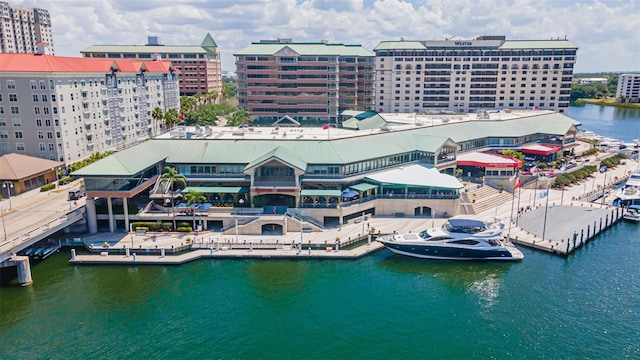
pixel 486 198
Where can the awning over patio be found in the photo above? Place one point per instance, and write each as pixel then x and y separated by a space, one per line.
pixel 417 175
pixel 485 160
pixel 316 192
pixel 363 187
pixel 540 149
pixel 217 189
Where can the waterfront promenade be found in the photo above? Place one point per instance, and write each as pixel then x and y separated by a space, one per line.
pixel 569 217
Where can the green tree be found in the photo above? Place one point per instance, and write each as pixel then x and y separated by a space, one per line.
pixel 194 197
pixel 175 180
pixel 171 118
pixel 157 114
pixel 514 154
pixel 240 117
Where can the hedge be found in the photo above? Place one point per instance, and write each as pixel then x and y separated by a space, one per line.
pixel 185 229
pixel 65 180
pixel 47 187
pixel 152 226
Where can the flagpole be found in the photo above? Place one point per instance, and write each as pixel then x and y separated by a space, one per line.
pixel 519 193
pixel 546 207
pixel 511 216
pixel 604 184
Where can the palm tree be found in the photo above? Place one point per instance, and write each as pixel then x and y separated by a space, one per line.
pixel 194 197
pixel 175 180
pixel 240 117
pixel 171 118
pixel 157 115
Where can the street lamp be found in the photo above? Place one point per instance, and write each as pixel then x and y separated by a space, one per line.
pixel 3 228
pixel 9 186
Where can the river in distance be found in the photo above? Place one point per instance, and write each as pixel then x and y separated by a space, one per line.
pixel 383 306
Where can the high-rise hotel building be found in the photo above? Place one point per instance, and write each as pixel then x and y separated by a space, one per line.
pixel 21 29
pixel 65 108
pixel 469 75
pixel 305 81
pixel 199 66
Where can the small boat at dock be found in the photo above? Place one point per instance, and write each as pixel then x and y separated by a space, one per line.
pixel 632 214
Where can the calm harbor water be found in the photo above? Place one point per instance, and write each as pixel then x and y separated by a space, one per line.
pixel 384 306
pixel 617 123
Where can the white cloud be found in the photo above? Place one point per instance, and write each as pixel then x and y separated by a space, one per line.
pixel 606 31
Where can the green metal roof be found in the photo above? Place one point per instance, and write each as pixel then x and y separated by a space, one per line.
pixel 208 41
pixel 313 192
pixel 538 44
pixel 299 153
pixel 145 49
pixel 124 163
pixel 400 45
pixel 363 187
pixel 217 189
pixel 282 154
pixel 305 49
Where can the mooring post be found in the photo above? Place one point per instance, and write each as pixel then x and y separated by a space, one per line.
pixel 588 232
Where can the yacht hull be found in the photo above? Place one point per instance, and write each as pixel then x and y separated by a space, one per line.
pixel 452 253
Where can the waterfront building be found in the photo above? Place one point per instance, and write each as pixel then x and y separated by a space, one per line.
pixel 22 29
pixel 628 88
pixel 467 75
pixel 309 82
pixel 20 173
pixel 66 108
pixel 405 165
pixel 199 66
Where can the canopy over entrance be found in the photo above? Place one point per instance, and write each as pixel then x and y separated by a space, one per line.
pixel 485 160
pixel 416 175
pixel 540 149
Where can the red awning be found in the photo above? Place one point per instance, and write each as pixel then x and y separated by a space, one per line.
pixel 540 149
pixel 488 161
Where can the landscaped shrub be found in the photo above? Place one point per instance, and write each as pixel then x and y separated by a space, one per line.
pixel 47 187
pixel 182 224
pixel 65 180
pixel 150 226
pixel 142 228
pixel 184 229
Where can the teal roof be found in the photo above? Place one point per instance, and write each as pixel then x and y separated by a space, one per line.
pixel 340 151
pixel 304 49
pixel 280 153
pixel 313 192
pixel 127 162
pixel 145 49
pixel 400 45
pixel 363 187
pixel 208 41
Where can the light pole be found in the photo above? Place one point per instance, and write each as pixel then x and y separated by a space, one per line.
pixel 3 228
pixel 9 186
pixel 131 233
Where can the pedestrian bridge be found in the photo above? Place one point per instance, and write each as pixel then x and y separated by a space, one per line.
pixel 26 237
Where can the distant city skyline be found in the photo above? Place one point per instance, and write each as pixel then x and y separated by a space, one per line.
pixel 605 31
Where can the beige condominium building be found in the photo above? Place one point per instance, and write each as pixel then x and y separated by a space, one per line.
pixel 469 75
pixel 199 66
pixel 65 108
pixel 21 29
pixel 628 88
pixel 304 81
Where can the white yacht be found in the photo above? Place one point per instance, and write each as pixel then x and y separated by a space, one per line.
pixel 629 194
pixel 457 239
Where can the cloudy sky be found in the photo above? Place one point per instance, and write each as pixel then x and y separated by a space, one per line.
pixel 607 32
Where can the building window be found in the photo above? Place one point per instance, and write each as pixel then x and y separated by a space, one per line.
pixel 16 122
pixel 11 84
pixel 15 110
pixel 20 146
pixel 13 97
pixel 18 134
